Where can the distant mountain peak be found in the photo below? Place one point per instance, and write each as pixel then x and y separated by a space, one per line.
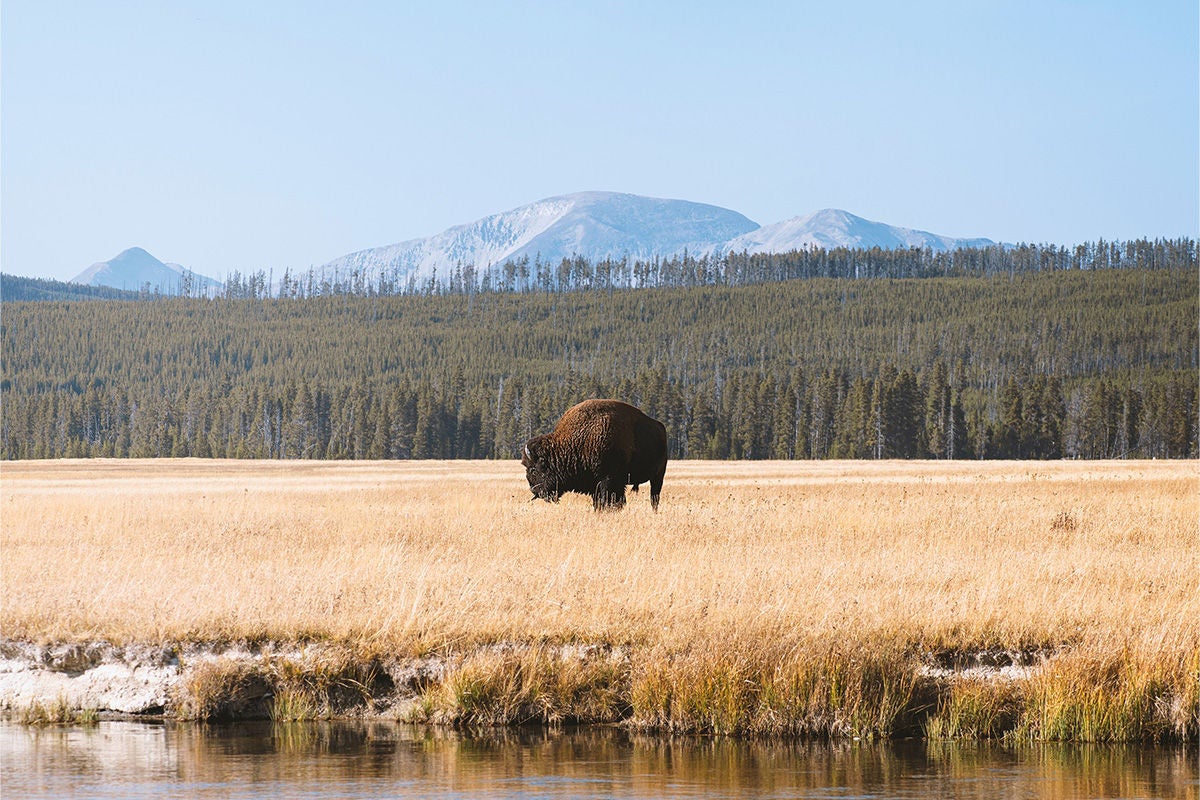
pixel 831 228
pixel 134 268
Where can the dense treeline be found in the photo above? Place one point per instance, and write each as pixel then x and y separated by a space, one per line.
pixel 1064 363
pixel 14 288
pixel 730 269
pixel 366 278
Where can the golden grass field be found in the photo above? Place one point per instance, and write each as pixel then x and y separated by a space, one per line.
pixel 747 566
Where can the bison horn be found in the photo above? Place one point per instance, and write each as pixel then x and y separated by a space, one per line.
pixel 527 451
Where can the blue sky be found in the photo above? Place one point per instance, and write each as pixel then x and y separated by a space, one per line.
pixel 265 135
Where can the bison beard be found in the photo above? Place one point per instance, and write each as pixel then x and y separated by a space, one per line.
pixel 598 448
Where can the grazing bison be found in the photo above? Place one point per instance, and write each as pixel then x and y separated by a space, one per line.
pixel 597 448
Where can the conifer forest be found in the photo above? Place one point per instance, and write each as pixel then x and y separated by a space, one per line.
pixel 1026 353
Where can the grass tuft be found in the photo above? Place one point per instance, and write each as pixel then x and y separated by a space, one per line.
pixel 1095 696
pixel 321 687
pixel 221 689
pixel 535 684
pixel 741 689
pixel 58 712
pixel 976 709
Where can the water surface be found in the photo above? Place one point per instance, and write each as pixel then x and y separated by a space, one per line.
pixel 353 760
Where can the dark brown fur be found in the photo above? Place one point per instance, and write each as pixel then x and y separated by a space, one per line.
pixel 598 448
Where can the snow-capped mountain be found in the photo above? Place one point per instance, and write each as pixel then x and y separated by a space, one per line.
pixel 600 225
pixel 595 225
pixel 135 268
pixel 592 224
pixel 832 227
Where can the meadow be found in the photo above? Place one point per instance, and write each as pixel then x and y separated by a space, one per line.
pixel 775 598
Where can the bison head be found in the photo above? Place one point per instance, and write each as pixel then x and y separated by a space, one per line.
pixel 542 481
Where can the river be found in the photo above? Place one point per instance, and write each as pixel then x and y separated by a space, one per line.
pixel 372 759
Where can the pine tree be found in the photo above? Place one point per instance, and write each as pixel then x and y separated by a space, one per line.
pixel 854 421
pixel 939 419
pixel 1009 433
pixel 904 407
pixel 783 445
pixel 824 411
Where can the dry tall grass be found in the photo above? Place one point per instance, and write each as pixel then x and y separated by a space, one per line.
pixel 748 567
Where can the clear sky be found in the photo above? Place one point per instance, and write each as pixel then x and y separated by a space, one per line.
pixel 228 135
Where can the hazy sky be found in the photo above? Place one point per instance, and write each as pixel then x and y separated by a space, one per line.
pixel 264 135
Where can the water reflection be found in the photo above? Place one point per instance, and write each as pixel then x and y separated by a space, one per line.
pixel 335 760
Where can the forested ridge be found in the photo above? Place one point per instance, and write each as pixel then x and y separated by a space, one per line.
pixel 15 288
pixel 1021 364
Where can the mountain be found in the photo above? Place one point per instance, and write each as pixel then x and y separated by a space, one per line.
pixel 134 269
pixel 592 224
pixel 595 225
pixel 831 228
pixel 599 225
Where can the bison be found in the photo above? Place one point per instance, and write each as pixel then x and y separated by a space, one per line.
pixel 597 448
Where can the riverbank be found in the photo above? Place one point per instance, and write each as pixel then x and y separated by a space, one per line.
pixel 869 695
pixel 1040 601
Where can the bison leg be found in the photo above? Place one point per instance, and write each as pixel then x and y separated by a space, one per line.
pixel 656 483
pixel 609 495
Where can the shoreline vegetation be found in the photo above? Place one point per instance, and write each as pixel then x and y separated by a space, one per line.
pixel 951 600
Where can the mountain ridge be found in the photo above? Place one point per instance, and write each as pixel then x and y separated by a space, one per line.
pixel 599 225
pixel 593 224
pixel 833 227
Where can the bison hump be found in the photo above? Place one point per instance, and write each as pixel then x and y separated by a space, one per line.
pixel 602 408
pixel 596 429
